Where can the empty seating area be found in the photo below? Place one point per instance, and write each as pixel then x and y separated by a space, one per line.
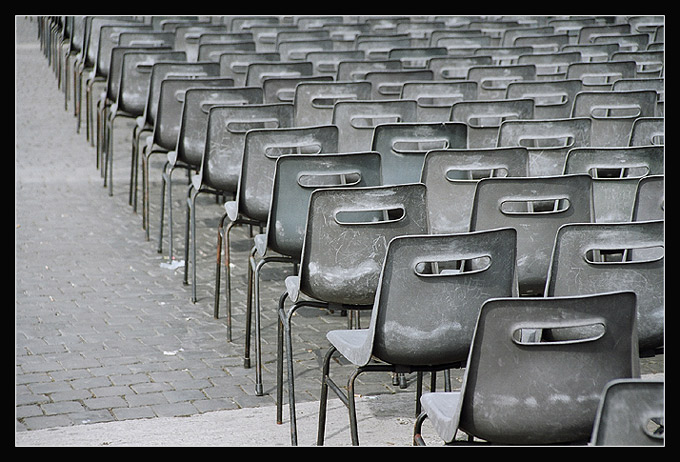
pixel 482 194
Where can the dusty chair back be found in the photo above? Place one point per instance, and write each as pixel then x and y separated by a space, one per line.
pixel 505 363
pixel 484 118
pixel 448 278
pixel 451 176
pixel 616 173
pixel 536 207
pixel 403 146
pixel 346 238
pixel 547 140
pixel 631 413
pixel 262 148
pixel 601 257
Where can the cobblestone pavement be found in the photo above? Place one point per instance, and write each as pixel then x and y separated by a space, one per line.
pixel 105 333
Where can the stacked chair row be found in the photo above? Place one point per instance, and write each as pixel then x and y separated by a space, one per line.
pixel 489 189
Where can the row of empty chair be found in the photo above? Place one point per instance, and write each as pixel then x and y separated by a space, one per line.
pixel 489 189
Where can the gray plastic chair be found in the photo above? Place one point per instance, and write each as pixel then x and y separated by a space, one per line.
pixel 631 413
pixel 492 81
pixel 598 76
pixel 327 62
pixel 461 45
pixel 386 85
pixel 213 51
pixel 520 203
pixel 455 67
pixel 451 177
pixel 108 39
pixel 649 199
pixel 518 391
pixel 403 146
pixel 133 92
pixel 616 173
pixel 282 89
pixel 588 33
pixel 658 85
pixel 583 263
pixel 347 233
pixel 357 119
pixel 593 53
pixel 553 99
pixel 648 131
pixel 166 125
pixel 503 56
pixel 145 123
pixel 613 113
pixel 253 196
pixel 235 65
pixel 650 64
pixel 221 164
pixel 551 66
pixel 259 71
pixel 87 59
pixel 548 141
pixel 416 57
pixel 436 98
pixel 187 37
pixel 484 118
pixel 357 70
pixel 423 319
pixel 295 178
pixel 296 50
pixel 314 101
pixel 190 145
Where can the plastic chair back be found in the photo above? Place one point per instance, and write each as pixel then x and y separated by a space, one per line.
pixel 327 62
pixel 536 207
pixel 631 413
pixel 649 63
pixel 109 36
pixel 493 81
pixel 348 230
pixel 455 67
pixel 295 177
pixel 649 199
pixel 648 131
pixel 403 147
pixel 656 84
pixel 225 139
pixel 548 141
pixel 282 89
pixel 436 98
pixel 616 173
pixel 387 85
pixel 187 37
pixel 598 76
pixel 357 119
pixel 213 51
pixel 147 39
pixel 259 71
pixel 262 148
pixel 582 263
pixel 162 71
pixel 451 178
pixel 484 118
pixel 481 266
pixel 416 57
pixel 296 50
pixel 551 394
pixel 133 90
pixel 553 99
pixel 314 101
pixel 235 65
pixel 551 66
pixel 613 113
pixel 171 103
pixel 194 121
pixel 357 70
